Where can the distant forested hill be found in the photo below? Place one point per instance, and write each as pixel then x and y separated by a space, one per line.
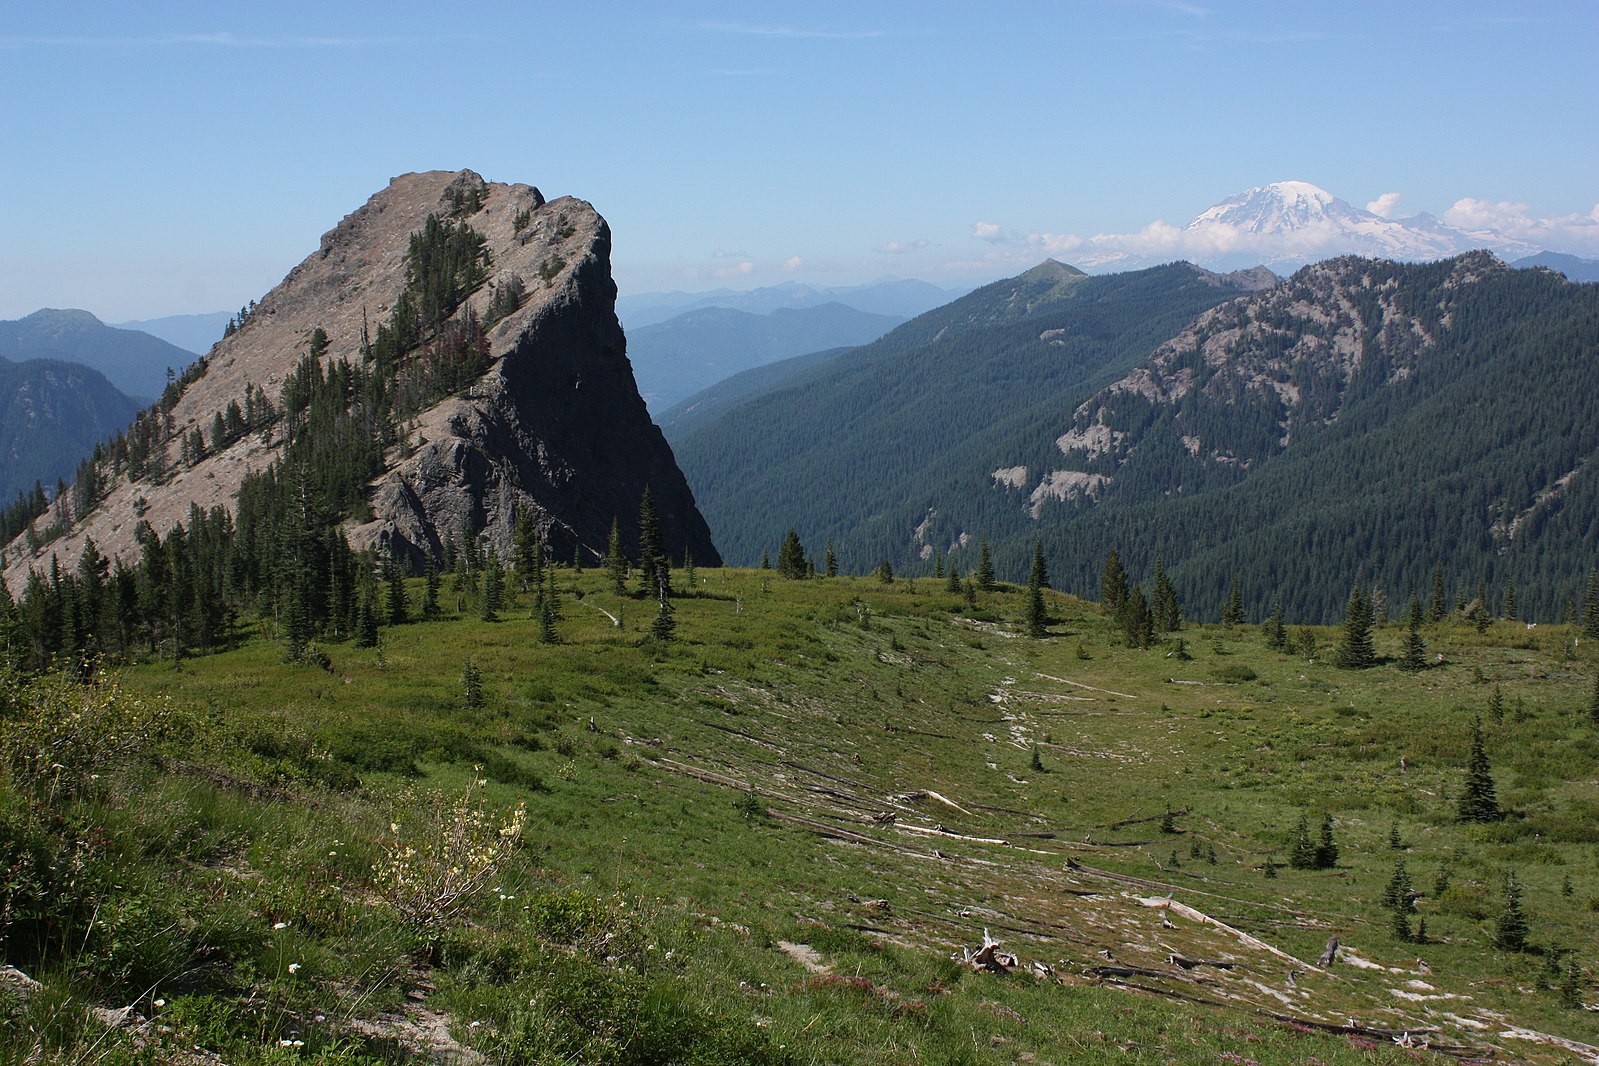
pixel 52 414
pixel 134 362
pixel 1363 421
pixel 886 449
pixel 681 356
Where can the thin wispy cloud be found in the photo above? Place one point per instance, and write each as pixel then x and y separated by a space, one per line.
pixel 214 40
pixel 903 247
pixel 756 30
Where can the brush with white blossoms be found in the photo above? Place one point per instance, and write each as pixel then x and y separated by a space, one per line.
pixel 427 875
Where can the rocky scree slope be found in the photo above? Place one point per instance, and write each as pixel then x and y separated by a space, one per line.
pixel 555 427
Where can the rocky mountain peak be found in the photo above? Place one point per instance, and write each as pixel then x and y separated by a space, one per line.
pixel 554 428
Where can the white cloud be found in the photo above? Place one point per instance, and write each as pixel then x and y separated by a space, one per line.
pixel 737 270
pixel 902 247
pixel 1578 234
pixel 988 231
pixel 723 253
pixel 793 263
pixel 1385 205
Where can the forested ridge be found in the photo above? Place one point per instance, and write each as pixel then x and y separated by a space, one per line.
pixel 1463 442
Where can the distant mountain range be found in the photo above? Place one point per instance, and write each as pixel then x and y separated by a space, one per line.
pixel 1573 267
pixel 1287 224
pixel 135 362
pixel 895 298
pixel 192 333
pixel 1363 420
pixel 679 357
pixel 52 414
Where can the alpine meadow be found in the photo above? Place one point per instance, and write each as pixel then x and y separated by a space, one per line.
pixel 878 594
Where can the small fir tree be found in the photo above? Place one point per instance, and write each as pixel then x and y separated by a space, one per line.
pixel 398 605
pixel 527 552
pixel 830 561
pixel 471 684
pixel 1496 705
pixel 651 558
pixel 1590 610
pixel 766 560
pixel 1326 846
pixel 1168 613
pixel 664 625
pixel 366 619
pixel 689 580
pixel 1510 931
pixel 1593 702
pixel 1415 648
pixel 1510 599
pixel 985 566
pixel 493 590
pixel 430 591
pixel 1137 623
pixel 1398 896
pixel 1038 580
pixel 1478 799
pixel 616 558
pixel 1233 613
pixel 885 572
pixel 1112 584
pixel 952 577
pixel 1439 606
pixel 1275 632
pixel 791 557
pixel 1038 575
pixel 1303 854
pixel 1355 651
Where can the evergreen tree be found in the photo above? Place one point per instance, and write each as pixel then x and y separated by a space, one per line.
pixel 493 590
pixel 1038 580
pixel 689 580
pixel 766 559
pixel 1496 705
pixel 616 558
pixel 366 619
pixel 1398 896
pixel 1167 612
pixel 1137 624
pixel 1303 854
pixel 527 554
pixel 885 572
pixel 1326 847
pixel 1478 799
pixel 1510 599
pixel 938 565
pixel 1415 647
pixel 1593 702
pixel 1233 613
pixel 1440 599
pixel 1276 633
pixel 664 625
pixel 830 561
pixel 430 592
pixel 952 576
pixel 1038 576
pixel 1590 611
pixel 1510 931
pixel 398 606
pixel 1355 651
pixel 1112 584
pixel 471 684
pixel 791 557
pixel 651 558
pixel 985 566
pixel 547 611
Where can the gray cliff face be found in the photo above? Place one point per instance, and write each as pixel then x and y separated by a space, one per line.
pixel 554 429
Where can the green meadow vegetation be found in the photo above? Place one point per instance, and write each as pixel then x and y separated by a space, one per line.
pixel 769 831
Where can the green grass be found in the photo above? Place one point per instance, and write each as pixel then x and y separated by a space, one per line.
pixel 691 805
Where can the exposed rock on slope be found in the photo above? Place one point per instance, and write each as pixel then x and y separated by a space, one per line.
pixel 554 428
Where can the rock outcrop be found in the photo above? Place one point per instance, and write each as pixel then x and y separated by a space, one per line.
pixel 554 429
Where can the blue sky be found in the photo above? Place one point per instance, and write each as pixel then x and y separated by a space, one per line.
pixel 164 158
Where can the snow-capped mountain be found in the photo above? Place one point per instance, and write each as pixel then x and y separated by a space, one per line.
pixel 1287 224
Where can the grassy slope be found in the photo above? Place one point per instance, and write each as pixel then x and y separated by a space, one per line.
pixel 692 806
